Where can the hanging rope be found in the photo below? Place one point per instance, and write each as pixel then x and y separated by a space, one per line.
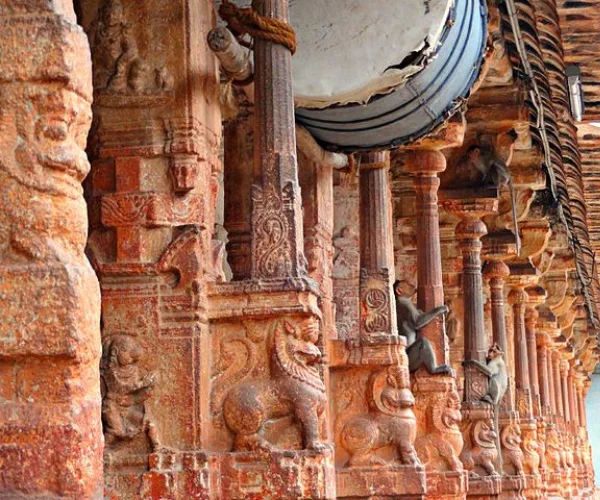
pixel 245 20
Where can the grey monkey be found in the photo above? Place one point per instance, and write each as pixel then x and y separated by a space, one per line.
pixel 494 171
pixel 410 321
pixel 497 374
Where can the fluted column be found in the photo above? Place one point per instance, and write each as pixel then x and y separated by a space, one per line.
pixel 376 252
pixel 518 299
pixel 564 373
pixel 543 340
pixel 425 165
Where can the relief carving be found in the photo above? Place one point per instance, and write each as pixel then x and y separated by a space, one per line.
pixel 42 165
pixel 553 450
pixel 346 260
pixel 510 439
pixel 530 452
pixel 271 246
pixel 375 302
pixel 294 389
pixel 410 321
pixel 444 440
pixel 119 70
pixel 126 388
pixel 390 421
pixel 482 453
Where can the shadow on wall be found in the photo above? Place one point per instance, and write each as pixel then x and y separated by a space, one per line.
pixel 593 408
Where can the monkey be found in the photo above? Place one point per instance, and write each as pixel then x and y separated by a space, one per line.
pixel 410 321
pixel 494 171
pixel 497 386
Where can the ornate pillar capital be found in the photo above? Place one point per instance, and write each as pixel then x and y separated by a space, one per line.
pixel 425 162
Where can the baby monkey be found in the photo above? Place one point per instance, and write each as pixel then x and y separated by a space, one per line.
pixel 494 171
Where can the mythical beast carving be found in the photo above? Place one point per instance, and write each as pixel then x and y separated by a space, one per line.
pixel 483 453
pixel 390 422
pixel 294 389
pixel 443 441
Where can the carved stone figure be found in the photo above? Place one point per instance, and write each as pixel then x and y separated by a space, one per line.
pixel 531 455
pixel 483 452
pixel 444 439
pixel 553 450
pixel 510 438
pixel 126 389
pixel 410 321
pixel 294 389
pixel 390 422
pixel 118 67
pixel 42 164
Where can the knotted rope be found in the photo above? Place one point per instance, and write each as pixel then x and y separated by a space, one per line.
pixel 242 20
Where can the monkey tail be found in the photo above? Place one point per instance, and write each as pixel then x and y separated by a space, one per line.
pixel 514 216
pixel 496 409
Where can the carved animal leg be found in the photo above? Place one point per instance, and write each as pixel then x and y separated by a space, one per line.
pixel 251 442
pixel 308 417
pixel 447 453
pixel 408 455
pixel 488 466
pixel 365 459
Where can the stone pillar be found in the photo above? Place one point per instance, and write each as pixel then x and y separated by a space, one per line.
pixel 476 413
pixel 152 194
pixel 426 165
pixel 564 380
pixel 512 456
pixel 277 236
pixel 536 296
pixel 50 422
pixel 520 278
pixel 543 341
pixel 560 412
pixel 376 252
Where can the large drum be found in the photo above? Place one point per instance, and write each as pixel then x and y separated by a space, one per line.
pixel 379 74
pixel 374 74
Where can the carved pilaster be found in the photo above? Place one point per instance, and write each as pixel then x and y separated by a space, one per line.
pixel 277 236
pixel 376 249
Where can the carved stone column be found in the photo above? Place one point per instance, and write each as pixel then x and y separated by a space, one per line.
pixel 531 317
pixel 560 412
pixel 510 433
pixel 277 236
pixel 426 165
pixel 376 250
pixel 478 428
pixel 520 278
pixel 50 427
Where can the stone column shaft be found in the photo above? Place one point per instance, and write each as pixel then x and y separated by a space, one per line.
pixel 558 398
pixel 276 197
pixel 564 373
pixel 530 322
pixel 426 165
pixel 543 373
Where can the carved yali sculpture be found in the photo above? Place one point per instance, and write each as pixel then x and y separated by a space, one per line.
pixel 482 454
pixel 294 389
pixel 444 441
pixel 126 388
pixel 390 422
pixel 410 321
pixel 510 438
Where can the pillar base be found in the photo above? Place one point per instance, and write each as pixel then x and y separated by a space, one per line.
pixel 513 488
pixel 484 487
pixel 534 488
pixel 447 485
pixel 366 482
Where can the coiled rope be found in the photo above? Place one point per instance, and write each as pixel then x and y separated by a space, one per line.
pixel 245 20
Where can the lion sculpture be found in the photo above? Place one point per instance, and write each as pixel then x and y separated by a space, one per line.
pixel 294 389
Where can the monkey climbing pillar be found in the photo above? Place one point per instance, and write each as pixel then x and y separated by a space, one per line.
pixel 277 237
pixel 426 165
pixel 376 246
